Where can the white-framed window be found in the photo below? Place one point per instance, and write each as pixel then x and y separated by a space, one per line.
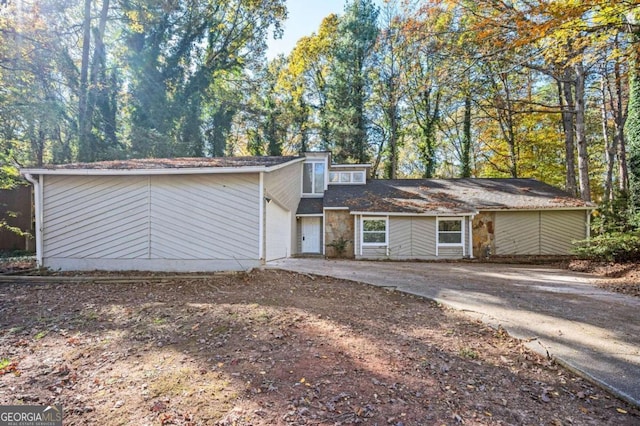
pixel 374 231
pixel 345 178
pixel 450 231
pixel 313 173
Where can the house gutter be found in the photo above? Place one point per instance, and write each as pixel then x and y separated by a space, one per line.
pixel 159 171
pixel 470 236
pixel 38 201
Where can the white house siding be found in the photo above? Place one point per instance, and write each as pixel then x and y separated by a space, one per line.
pixel 180 223
pixel 284 186
pixel 538 232
pixel 278 232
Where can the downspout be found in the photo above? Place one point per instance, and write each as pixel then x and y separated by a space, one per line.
pixel 323 235
pixel 437 242
pixel 588 212
pixel 37 198
pixel 471 236
pixel 261 235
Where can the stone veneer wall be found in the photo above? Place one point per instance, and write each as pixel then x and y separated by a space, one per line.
pixel 483 235
pixel 338 224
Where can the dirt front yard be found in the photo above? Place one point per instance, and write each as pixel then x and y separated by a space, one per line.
pixel 274 348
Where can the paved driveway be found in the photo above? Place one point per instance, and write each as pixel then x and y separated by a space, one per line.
pixel 592 331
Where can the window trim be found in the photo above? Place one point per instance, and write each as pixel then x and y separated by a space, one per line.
pixel 316 192
pixel 386 231
pixel 351 174
pixel 460 219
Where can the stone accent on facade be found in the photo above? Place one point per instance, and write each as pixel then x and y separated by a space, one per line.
pixel 483 235
pixel 338 229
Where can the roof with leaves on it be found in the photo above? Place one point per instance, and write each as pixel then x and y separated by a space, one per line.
pixel 174 163
pixel 450 196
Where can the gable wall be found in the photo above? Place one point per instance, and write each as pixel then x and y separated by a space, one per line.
pixel 284 186
pixel 190 222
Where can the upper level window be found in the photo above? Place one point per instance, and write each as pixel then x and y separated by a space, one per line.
pixel 450 231
pixel 313 178
pixel 374 231
pixel 349 177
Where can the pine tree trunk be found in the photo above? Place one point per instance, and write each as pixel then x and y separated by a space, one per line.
pixel 83 135
pixel 619 139
pixel 581 136
pixel 609 148
pixel 465 161
pixel 566 104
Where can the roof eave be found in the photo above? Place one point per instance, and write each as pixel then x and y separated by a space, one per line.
pixel 534 209
pixel 426 214
pixel 158 171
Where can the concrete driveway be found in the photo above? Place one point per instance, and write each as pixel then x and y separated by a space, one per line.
pixel 563 314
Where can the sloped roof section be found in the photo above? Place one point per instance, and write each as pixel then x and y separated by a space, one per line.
pixel 310 206
pixel 450 196
pixel 174 163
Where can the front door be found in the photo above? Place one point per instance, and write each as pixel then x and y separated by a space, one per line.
pixel 311 228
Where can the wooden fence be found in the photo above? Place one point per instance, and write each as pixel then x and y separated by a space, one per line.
pixel 16 209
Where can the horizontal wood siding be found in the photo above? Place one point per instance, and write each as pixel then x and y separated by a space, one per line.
pixel 450 253
pixel 374 252
pixel 559 229
pixel 517 233
pixel 204 217
pixel 101 217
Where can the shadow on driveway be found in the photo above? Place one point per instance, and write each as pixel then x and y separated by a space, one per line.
pixel 559 313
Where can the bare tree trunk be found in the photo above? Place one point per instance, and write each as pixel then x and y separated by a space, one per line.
pixel 620 118
pixel 393 139
pixel 567 107
pixel 465 161
pixel 581 137
pixel 84 82
pixel 609 144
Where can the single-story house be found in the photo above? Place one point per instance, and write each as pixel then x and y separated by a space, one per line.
pixel 234 213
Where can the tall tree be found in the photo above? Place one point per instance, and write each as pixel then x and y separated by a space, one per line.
pixel 349 84
pixel 633 123
pixel 176 49
pixel 388 94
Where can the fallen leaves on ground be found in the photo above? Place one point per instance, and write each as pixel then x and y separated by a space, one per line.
pixel 617 277
pixel 275 348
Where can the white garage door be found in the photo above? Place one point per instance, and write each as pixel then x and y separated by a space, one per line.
pixel 278 232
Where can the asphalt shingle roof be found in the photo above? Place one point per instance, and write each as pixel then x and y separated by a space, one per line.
pixel 310 206
pixel 174 163
pixel 449 196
